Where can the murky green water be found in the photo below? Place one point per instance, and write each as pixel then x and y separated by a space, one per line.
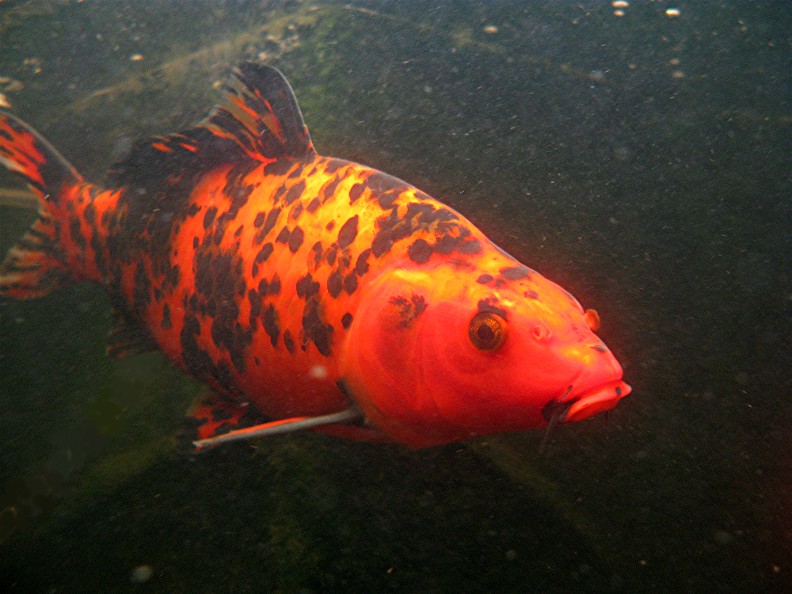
pixel 642 161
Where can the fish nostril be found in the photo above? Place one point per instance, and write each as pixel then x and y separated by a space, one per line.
pixel 541 332
pixel 600 348
pixel 592 319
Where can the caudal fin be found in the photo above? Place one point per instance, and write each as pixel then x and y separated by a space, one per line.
pixel 35 265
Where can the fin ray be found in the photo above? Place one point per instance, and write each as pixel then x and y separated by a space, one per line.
pixel 278 427
pixel 260 121
pixel 127 336
pixel 35 265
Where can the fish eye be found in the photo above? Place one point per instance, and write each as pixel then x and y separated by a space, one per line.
pixel 487 331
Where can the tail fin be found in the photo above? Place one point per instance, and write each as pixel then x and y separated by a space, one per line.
pixel 35 265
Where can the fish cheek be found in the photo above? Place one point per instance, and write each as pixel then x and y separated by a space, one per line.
pixel 381 362
pixel 396 342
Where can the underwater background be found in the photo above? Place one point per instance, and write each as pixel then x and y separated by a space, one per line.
pixel 639 154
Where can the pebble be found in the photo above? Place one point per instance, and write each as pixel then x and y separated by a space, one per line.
pixel 141 574
pixel 722 537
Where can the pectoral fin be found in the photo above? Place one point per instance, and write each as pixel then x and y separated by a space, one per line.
pixel 279 426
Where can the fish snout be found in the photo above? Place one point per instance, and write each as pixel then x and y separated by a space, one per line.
pixel 598 388
pixel 595 401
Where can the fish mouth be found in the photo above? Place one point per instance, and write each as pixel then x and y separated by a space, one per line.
pixel 594 401
pixel 568 409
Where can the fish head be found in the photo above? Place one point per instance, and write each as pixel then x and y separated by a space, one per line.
pixel 443 355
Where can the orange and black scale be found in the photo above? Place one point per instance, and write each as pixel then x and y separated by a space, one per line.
pixel 241 253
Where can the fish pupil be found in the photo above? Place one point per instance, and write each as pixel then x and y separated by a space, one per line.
pixel 487 331
pixel 485 334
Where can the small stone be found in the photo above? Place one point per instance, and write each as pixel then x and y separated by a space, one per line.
pixel 141 574
pixel 722 537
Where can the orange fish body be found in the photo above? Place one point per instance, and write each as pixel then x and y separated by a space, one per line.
pixel 299 287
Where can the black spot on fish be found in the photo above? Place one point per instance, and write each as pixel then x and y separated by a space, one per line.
pixel 470 246
pixel 296 239
pixel 515 272
pixel 313 205
pixel 140 293
pixel 490 304
pixel 387 199
pixel 75 230
pixel 166 318
pixel 381 244
pixel 296 211
pixel 278 167
pixel 333 166
pixel 329 191
pixel 334 284
pixel 379 183
pixel 264 253
pixel 209 217
pixel 316 330
pixel 288 341
pixel 269 320
pixel 307 287
pixel 409 309
pixel 356 192
pixel 332 251
pixel 348 232
pixel 420 251
pixel 346 320
pixel 259 220
pixel 90 214
pixel 275 285
pixel 350 283
pixel 272 287
pixel 317 251
pixel 484 279
pixel 283 236
pixel 272 219
pixel 255 305
pixel 391 228
pixel 196 359
pixel 295 192
pixel 98 251
pixel 446 244
pixel 361 265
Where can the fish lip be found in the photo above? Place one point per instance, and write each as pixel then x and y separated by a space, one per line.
pixel 594 401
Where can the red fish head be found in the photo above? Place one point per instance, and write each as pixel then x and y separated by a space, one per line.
pixel 440 356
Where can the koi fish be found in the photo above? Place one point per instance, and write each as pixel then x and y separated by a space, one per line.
pixel 306 291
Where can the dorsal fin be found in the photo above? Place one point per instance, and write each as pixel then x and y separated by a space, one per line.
pixel 261 114
pixel 259 120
